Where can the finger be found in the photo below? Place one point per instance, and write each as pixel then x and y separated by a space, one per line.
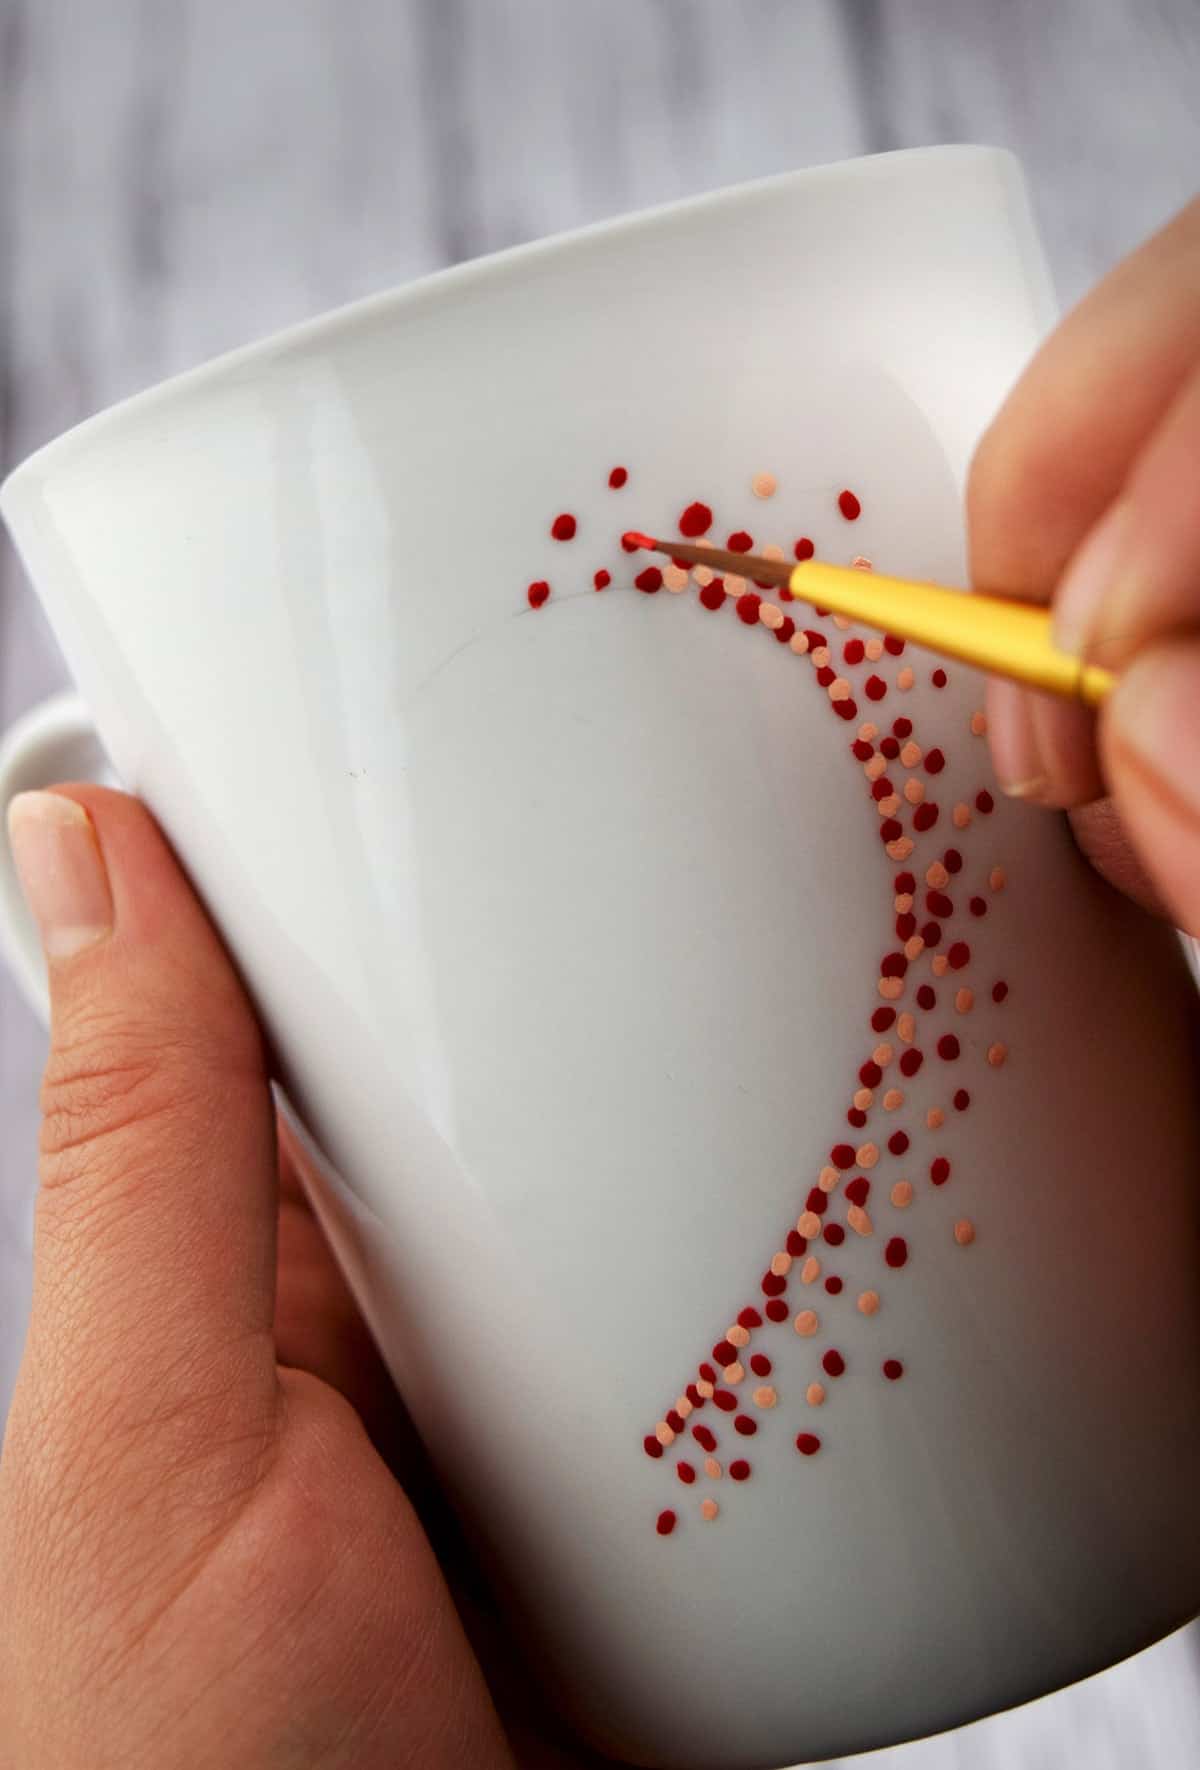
pixel 155 1230
pixel 1150 741
pixel 1102 839
pixel 1043 748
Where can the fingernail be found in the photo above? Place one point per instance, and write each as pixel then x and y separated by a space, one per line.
pixel 1083 602
pixel 1155 711
pixel 1015 752
pixel 61 870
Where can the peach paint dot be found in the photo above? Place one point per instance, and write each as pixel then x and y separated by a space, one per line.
pixel 868 731
pixel 890 806
pixel 733 1374
pixel 764 485
pixel 939 964
pixel 712 1468
pixel 737 1335
pixel 891 988
pixel 842 621
pixel 809 1225
pixel 858 1220
pixel 935 1118
pixel 683 1406
pixel 820 657
pixel 828 1178
pixel 709 1510
pixel 903 903
pixel 771 551
pixel 861 563
pixel 997 879
pixel 874 649
pixel 910 755
pixel 675 578
pixel 799 643
pixel 997 1054
pixel 815 1394
pixel 705 1388
pixel 893 1100
pixel 868 1303
pixel 839 689
pixel 964 1000
pixel 978 724
pixel 961 816
pixel 704 575
pixel 805 1324
pixel 875 767
pixel 906 1028
pixel 900 849
pixel 811 1270
pixel 901 1194
pixel 771 616
pixel 863 1100
pixel 866 1155
pixel 735 585
pixel 914 946
pixel 765 1396
pixel 781 1264
pixel 882 1055
pixel 905 680
pixel 936 876
pixel 964 1232
pixel 663 1433
pixel 914 791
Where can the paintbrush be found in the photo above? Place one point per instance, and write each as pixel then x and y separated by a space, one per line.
pixel 995 633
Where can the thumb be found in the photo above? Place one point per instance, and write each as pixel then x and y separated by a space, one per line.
pixel 154 1250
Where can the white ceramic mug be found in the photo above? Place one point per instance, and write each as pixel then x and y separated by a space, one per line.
pixel 578 931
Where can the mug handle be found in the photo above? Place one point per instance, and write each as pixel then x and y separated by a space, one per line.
pixel 55 741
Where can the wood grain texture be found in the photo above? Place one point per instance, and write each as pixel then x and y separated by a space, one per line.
pixel 177 176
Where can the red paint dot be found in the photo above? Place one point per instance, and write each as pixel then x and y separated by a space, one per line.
pixel 826 676
pixel 723 1353
pixel 935 761
pixel 745 1425
pixel 705 1437
pixel 618 477
pixel 853 651
pixel 856 1117
pixel 952 860
pixel 804 548
pixel 725 1401
pixel 784 632
pixel 910 1061
pixel 999 991
pixel 563 527
pixel 674 1420
pixel 890 748
pixel 858 1190
pixel 984 802
pixel 773 1285
pixel 739 1469
pixel 807 1443
pixel 862 750
pixel 978 906
pixel 651 1446
pixel 537 593
pixel 833 1285
pixel 694 1395
pixel 845 709
pixel 905 882
pixel 747 607
pixel 938 904
pixel 796 1244
pixel 783 593
pixel 685 1473
pixel 959 955
pixel 881 1020
pixel 696 520
pixel 739 541
pixel 749 1318
pixel 815 640
pixel 939 679
pixel 777 1310
pixel 898 1142
pixel 712 597
pixel 939 1170
pixel 931 934
pixel 649 581
pixel 961 1100
pixel 842 1156
pixel 708 1373
pixel 817 1201
pixel 666 1523
pixel 870 1075
pixel 602 580
pixel 925 816
pixel 760 1364
pixel 890 830
pixel 881 788
pixel 628 546
pixel 849 506
pixel 948 1048
pixel 875 688
pixel 926 997
pixel 896 1252
pixel 906 926
pixel 892 1369
pixel 833 1364
pixel 902 727
pixel 835 1235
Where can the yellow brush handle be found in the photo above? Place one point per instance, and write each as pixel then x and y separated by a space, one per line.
pixel 1010 638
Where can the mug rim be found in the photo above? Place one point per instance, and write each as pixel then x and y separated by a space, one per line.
pixel 349 316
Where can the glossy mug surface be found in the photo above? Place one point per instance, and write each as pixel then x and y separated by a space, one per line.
pixel 765 1157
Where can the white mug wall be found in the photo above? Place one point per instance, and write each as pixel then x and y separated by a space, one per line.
pixel 174 180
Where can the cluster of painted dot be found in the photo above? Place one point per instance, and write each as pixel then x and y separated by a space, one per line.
pixel 900 775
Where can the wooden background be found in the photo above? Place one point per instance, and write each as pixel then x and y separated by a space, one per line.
pixel 177 176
